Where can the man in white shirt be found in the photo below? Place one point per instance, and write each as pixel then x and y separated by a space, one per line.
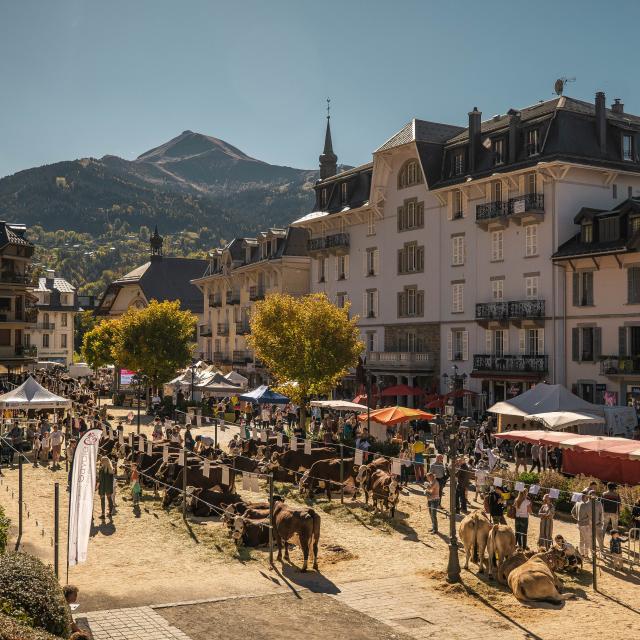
pixel 56 446
pixel 479 449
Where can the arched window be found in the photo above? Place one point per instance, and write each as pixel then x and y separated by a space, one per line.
pixel 409 174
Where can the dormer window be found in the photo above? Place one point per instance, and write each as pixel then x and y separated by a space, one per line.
pixel 409 175
pixel 274 246
pixel 496 191
pixel 323 198
pixel 344 193
pixel 498 151
pixel 634 225
pixel 587 232
pixel 627 147
pixel 533 142
pixel 458 162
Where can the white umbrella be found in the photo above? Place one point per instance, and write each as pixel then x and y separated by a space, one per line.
pixel 339 405
pixel 563 419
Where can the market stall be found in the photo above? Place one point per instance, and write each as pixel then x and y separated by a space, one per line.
pixel 382 419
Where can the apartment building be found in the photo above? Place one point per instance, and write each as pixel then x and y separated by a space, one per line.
pixel 17 311
pixel 601 265
pixel 443 243
pixel 238 275
pixel 57 306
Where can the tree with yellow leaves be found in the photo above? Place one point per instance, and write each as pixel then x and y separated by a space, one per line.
pixel 98 344
pixel 307 343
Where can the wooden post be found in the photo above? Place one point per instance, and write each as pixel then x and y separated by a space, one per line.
pixel 19 540
pixel 341 473
pixel 215 436
pixel 56 529
pixel 271 518
pixel 184 485
pixel 594 567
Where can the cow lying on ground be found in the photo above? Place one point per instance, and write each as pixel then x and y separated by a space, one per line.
pixel 535 579
pixel 383 488
pixel 305 523
pixel 208 502
pixel 241 508
pixel 501 544
pixel 250 533
pixel 327 471
pixel 196 478
pixel 474 531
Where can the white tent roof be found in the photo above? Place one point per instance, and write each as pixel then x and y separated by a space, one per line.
pixel 559 420
pixel 339 405
pixel 544 398
pixel 32 395
pixel 221 389
pixel 235 378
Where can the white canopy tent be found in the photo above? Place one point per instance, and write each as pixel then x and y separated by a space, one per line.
pixel 32 395
pixel 339 405
pixel 559 420
pixel 235 378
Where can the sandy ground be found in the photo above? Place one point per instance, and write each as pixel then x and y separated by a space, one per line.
pixel 157 558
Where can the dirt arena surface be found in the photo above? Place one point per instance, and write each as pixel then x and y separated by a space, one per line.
pixel 307 615
pixel 155 558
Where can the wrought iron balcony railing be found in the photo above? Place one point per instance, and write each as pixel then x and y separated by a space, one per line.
pixel 620 366
pixel 517 205
pixel 336 240
pixel 223 329
pixel 511 363
pixel 516 309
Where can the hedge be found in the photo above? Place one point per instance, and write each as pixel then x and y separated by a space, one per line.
pixel 11 629
pixel 27 584
pixel 4 530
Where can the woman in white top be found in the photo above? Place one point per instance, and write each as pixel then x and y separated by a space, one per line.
pixel 523 511
pixel 46 447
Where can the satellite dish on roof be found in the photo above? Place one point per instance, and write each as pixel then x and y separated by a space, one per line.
pixel 558 87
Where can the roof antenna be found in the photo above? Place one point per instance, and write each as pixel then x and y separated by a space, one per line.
pixel 558 87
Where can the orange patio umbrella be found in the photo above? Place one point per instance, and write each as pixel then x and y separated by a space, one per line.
pixel 394 415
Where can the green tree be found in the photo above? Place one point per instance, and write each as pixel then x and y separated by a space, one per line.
pixel 98 344
pixel 84 322
pixel 306 340
pixel 156 341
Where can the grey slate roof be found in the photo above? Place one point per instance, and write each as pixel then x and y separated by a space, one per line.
pixel 13 234
pixel 421 130
pixel 57 284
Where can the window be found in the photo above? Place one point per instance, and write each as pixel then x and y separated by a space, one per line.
pixel 634 225
pixel 63 341
pixel 458 163
pixel 371 224
pixel 371 341
pixel 498 151
pixel 371 262
pixel 583 289
pixel 533 136
pixel 341 299
pixel 457 297
pixel 63 319
pixel 499 342
pixel 532 342
pixel 458 345
pixel 531 240
pixel 531 286
pixel 627 147
pixel 614 191
pixel 411 215
pixel 496 191
pixel 409 175
pixel 322 269
pixel 587 232
pixel 629 191
pixel 531 184
pixel 371 303
pixel 344 193
pixel 409 342
pixel 497 245
pixel 412 173
pixel 323 198
pixel 45 319
pixel 633 285
pixel 410 303
pixel 608 229
pixel 586 344
pixel 457 250
pixel 497 290
pixel 457 204
pixel 342 267
pixel 45 340
pixel 411 258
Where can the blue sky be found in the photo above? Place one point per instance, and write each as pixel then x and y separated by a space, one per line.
pixel 88 78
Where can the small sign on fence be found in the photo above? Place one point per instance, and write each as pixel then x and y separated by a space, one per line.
pixel 165 453
pixel 206 467
pixel 358 457
pixel 307 446
pixel 293 443
pixel 279 439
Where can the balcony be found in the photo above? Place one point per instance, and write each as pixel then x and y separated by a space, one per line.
pixel 233 297
pixel 337 243
pixel 13 277
pixel 45 326
pixel 514 208
pixel 510 363
pixel 223 329
pixel 26 351
pixel 378 360
pixel 514 311
pixel 256 293
pixel 205 330
pixel 215 300
pixel 221 357
pixel 242 357
pixel 242 328
pixel 615 366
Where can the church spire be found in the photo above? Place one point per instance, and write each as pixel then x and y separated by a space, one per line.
pixel 328 159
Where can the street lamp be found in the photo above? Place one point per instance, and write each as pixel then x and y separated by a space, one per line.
pixel 193 368
pixel 453 564
pixel 368 382
pixel 140 379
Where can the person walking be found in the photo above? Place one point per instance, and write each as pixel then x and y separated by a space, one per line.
pixel 440 473
pixel 611 507
pixel 523 511
pixel 405 463
pixel 105 485
pixel 581 513
pixel 36 445
pixel 56 447
pixel 520 456
pixel 535 457
pixel 546 514
pixel 432 491
pixel 543 457
pixel 463 479
pixel 418 449
pixel 45 447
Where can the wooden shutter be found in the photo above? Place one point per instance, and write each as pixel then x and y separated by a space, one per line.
pixel 589 287
pixel 346 266
pixel 576 289
pixel 337 265
pixel 420 214
pixel 522 341
pixel 420 259
pixel 465 345
pixel 488 342
pixel 364 263
pixel 376 261
pixel 400 296
pixel 622 342
pixel 375 303
pixel 365 311
pixel 401 219
pixel 633 285
pixel 449 345
pixel 597 342
pixel 575 344
pixel 420 303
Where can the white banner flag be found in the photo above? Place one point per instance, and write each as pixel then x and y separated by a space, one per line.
pixel 131 439
pixel 307 446
pixel 254 483
pixel 395 467
pixel 83 481
pixel 245 482
pixel 182 458
pixel 120 436
pixel 140 444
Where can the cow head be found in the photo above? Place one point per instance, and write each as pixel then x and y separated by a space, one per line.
pixel 362 474
pixel 229 515
pixel 394 491
pixel 555 558
pixel 305 482
pixel 238 529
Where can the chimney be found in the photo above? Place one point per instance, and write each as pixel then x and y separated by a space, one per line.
pixel 51 274
pixel 475 119
pixel 514 125
pixel 601 121
pixel 617 106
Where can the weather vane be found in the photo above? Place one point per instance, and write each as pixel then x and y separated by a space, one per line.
pixel 328 108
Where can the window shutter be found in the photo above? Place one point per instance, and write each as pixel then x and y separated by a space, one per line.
pixel 400 218
pixel 597 342
pixel 633 285
pixel 375 303
pixel 576 289
pixel 540 342
pixel 449 345
pixel 488 341
pixel 522 341
pixel 420 259
pixel 622 342
pixel 589 286
pixel 420 214
pixel 575 344
pixel 346 266
pixel 364 263
pixel 465 345
pixel 420 303
pixel 462 250
pixel 337 265
pixel 376 261
pixel 400 253
pixel 400 296
pixel 365 311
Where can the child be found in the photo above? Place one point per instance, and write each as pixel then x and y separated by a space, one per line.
pixel 136 489
pixel 615 547
pixel 574 558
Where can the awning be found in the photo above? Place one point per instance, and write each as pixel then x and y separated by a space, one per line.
pixel 32 395
pixel 395 415
pixel 564 419
pixel 264 395
pixel 339 405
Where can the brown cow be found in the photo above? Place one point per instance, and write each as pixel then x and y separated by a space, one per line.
pixel 501 544
pixel 474 531
pixel 206 502
pixel 240 508
pixel 379 464
pixel 196 478
pixel 384 488
pixel 250 533
pixel 304 522
pixel 327 471
pixel 299 460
